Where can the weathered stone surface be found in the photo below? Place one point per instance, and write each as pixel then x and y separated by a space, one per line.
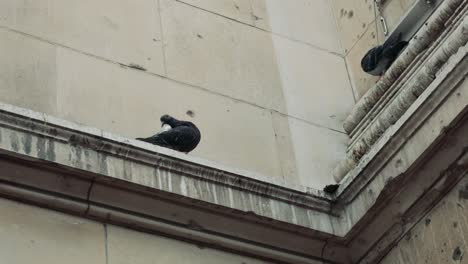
pixel 240 10
pixel 27 72
pixel 380 109
pixel 207 50
pixel 29 234
pixel 361 80
pixel 149 188
pixel 127 246
pixel 353 18
pixel 302 20
pixel 440 237
pixel 316 155
pixel 161 171
pixel 316 87
pixel 58 164
pixel 122 31
pixel 425 36
pixel 284 142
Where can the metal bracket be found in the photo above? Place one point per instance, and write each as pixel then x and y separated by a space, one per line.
pixel 383 22
pixel 414 18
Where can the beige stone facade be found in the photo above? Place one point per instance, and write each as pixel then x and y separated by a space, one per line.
pixel 284 109
pixel 32 234
pixel 441 236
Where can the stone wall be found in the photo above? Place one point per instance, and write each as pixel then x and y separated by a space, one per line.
pixel 441 236
pixel 265 80
pixel 30 234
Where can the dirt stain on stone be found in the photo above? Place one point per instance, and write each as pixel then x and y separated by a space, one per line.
pixel 41 148
pixel 77 159
pixel 190 113
pixel 27 143
pixel 408 236
pixel 457 254
pixel 14 141
pixel 51 150
pixel 428 221
pixel 136 67
pixel 127 170
pixel 103 164
pixel 343 12
pixel 463 194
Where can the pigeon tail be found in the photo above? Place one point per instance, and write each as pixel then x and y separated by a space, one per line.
pixel 392 41
pixel 155 140
pixel 393 46
pixel 175 134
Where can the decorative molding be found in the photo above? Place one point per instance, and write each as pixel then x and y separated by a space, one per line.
pixel 400 134
pixel 425 36
pixel 161 158
pixel 396 104
pixel 84 171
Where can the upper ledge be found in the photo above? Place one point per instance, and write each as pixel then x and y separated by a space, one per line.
pixel 444 37
pixel 424 37
pixel 97 139
pixel 85 171
pixel 396 135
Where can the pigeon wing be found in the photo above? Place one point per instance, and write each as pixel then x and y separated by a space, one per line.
pixel 182 138
pixel 371 60
pixel 156 140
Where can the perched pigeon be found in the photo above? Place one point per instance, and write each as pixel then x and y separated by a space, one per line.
pixel 178 135
pixel 378 59
pixel 331 189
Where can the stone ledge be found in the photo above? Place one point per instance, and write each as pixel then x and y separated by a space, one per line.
pixel 425 36
pixel 415 116
pixel 85 171
pixel 81 137
pixel 391 106
pixel 115 202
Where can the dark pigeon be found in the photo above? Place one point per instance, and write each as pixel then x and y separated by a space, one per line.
pixel 378 59
pixel 182 136
pixel 331 189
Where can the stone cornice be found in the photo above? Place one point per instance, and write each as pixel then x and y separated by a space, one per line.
pixel 388 105
pixel 92 173
pixel 395 137
pixel 425 36
pixel 160 158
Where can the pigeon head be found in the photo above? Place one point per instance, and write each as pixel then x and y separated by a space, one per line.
pixel 166 119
